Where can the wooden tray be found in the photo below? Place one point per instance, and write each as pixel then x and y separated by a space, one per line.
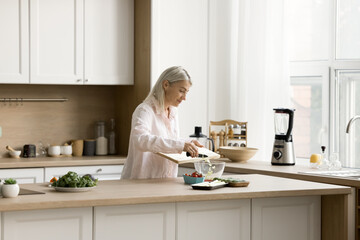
pixel 238 184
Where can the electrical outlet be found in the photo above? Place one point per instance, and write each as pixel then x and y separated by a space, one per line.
pixel 0 131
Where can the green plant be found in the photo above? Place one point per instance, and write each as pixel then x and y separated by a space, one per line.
pixel 10 181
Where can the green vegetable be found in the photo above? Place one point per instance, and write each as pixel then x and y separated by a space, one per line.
pixel 10 181
pixel 73 180
pixel 229 180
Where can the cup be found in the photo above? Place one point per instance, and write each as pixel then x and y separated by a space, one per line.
pixel 66 150
pixel 89 147
pixel 54 151
pixel 77 147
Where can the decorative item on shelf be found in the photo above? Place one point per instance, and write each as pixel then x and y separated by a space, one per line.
pixel 101 140
pixel 77 147
pixel 228 133
pixel 29 151
pixel 112 137
pixel 13 153
pixel 10 188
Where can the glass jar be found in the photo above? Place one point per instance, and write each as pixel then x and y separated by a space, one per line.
pixel 101 140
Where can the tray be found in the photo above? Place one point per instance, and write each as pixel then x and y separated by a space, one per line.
pixel 238 184
pixel 207 186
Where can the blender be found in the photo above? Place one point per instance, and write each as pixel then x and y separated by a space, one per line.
pixel 283 151
pixel 203 139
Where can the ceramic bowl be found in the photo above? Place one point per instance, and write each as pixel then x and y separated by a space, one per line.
pixel 238 154
pixel 210 169
pixel 15 154
pixel 193 180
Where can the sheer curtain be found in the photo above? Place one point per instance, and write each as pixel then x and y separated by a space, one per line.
pixel 258 65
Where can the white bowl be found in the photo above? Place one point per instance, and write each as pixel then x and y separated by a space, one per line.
pixel 210 169
pixel 15 154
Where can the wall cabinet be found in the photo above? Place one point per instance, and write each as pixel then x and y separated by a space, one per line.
pixel 14 41
pixel 71 42
pixel 55 224
pixel 24 175
pixel 106 172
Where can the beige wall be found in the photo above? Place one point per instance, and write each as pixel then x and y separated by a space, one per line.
pixel 53 122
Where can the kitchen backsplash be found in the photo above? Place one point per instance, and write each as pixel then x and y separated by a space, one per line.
pixel 52 122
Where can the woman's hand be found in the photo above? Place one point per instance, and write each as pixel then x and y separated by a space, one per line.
pixel 191 148
pixel 197 143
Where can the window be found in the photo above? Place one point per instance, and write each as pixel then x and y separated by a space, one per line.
pixel 324 50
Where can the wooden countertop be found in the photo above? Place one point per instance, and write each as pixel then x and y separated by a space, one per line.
pixel 60 161
pixel 123 192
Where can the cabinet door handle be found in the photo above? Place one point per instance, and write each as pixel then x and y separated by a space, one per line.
pixel 86 80
pixel 99 170
pixel 78 80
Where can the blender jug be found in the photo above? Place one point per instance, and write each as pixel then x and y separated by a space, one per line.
pixel 203 139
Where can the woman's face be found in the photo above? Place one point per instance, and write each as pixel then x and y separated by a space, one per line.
pixel 175 92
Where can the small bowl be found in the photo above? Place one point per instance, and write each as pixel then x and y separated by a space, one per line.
pixel 15 154
pixel 238 154
pixel 210 169
pixel 193 180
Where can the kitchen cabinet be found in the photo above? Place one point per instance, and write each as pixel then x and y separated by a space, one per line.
pixel 212 220
pixel 24 175
pixel 14 41
pixel 57 41
pixel 55 224
pixel 153 221
pixel 300 215
pixel 67 42
pixel 106 172
pixel 109 42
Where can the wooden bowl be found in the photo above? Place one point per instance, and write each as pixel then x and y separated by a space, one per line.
pixel 238 154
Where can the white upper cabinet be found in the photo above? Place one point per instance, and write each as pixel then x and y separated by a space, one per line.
pixel 14 41
pixel 71 42
pixel 109 42
pixel 56 43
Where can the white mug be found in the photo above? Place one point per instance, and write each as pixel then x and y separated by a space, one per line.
pixel 54 151
pixel 66 150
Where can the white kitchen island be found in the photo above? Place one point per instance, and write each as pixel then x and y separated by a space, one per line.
pixel 269 208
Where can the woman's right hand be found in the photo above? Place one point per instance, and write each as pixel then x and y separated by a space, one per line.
pixel 191 148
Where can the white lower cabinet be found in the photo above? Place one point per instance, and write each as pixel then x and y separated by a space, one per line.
pixel 106 172
pixel 24 175
pixel 145 221
pixel 214 220
pixel 295 218
pixel 54 224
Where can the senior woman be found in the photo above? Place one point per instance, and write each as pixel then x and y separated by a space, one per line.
pixel 155 128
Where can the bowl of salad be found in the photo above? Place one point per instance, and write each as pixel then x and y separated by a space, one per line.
pixel 193 178
pixel 72 182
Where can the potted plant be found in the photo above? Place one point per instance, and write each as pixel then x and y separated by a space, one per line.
pixel 10 188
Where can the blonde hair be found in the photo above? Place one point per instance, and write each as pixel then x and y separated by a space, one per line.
pixel 172 74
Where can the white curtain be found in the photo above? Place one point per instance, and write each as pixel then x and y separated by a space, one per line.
pixel 257 66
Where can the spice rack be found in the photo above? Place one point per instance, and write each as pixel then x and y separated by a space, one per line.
pixel 224 135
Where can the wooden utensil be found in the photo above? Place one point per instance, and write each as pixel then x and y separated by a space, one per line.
pixel 10 149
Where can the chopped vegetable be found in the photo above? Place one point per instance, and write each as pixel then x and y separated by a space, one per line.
pixel 73 180
pixel 194 174
pixel 54 179
pixel 229 180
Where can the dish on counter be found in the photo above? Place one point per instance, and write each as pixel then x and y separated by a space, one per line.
pixel 72 189
pixel 208 185
pixel 233 182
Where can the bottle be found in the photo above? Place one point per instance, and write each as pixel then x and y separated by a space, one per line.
pixel 112 137
pixel 101 140
pixel 324 161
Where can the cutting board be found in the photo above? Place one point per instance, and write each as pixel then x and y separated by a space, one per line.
pixel 181 158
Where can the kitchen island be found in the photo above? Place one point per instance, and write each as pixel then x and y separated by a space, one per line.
pixel 277 208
